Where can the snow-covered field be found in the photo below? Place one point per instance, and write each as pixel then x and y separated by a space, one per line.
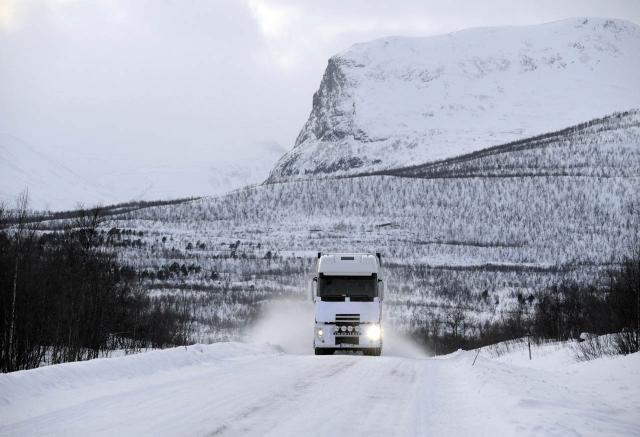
pixel 258 389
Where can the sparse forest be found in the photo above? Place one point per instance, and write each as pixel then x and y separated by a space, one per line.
pixel 476 249
pixel 564 311
pixel 65 297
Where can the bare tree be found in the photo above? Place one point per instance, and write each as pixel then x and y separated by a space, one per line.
pixel 455 317
pixel 21 233
pixel 3 218
pixel 87 224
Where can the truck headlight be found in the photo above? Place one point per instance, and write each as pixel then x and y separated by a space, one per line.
pixel 373 332
pixel 320 332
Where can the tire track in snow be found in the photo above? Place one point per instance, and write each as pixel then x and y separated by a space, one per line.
pixel 266 407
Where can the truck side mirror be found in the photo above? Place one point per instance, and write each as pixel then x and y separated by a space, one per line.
pixel 381 289
pixel 312 289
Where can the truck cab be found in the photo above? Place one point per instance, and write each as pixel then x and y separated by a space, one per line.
pixel 347 292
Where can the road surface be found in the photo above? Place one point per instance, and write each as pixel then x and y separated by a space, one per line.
pixel 233 389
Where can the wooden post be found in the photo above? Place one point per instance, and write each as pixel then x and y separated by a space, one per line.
pixel 474 360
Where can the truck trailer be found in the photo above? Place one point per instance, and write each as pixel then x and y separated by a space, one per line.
pixel 347 293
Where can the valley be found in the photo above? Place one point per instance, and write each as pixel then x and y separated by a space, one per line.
pixel 465 241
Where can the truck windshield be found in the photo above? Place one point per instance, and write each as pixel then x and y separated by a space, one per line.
pixel 354 287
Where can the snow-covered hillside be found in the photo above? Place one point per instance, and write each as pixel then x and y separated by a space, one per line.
pixel 60 181
pixel 608 146
pixel 474 232
pixel 246 389
pixel 406 101
pixel 471 236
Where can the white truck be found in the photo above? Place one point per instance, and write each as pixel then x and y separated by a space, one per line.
pixel 347 293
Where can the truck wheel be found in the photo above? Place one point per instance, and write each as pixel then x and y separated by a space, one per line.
pixel 323 351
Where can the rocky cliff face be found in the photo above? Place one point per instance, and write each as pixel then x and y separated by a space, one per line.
pixel 399 101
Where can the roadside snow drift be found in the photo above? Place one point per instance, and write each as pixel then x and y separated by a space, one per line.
pixel 246 389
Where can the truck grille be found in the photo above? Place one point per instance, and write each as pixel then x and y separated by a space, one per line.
pixel 348 318
pixel 347 340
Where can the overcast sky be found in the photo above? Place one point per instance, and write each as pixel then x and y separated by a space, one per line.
pixel 164 81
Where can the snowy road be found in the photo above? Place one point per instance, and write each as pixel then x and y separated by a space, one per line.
pixel 239 389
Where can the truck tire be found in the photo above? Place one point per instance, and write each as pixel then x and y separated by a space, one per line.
pixel 323 351
pixel 373 352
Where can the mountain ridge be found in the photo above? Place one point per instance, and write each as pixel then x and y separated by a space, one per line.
pixel 401 101
pixel 624 120
pixel 453 235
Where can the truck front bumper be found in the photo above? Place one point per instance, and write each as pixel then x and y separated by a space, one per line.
pixel 361 336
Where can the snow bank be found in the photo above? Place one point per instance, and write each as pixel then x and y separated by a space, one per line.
pixel 553 394
pixel 101 373
pixel 245 389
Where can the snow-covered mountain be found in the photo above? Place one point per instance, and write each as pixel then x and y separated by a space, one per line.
pixel 502 222
pixel 402 101
pixel 476 232
pixel 62 181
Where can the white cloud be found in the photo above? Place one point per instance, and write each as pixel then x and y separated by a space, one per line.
pixel 273 19
pixel 9 16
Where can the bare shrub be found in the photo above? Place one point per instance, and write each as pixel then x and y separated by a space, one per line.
pixel 594 346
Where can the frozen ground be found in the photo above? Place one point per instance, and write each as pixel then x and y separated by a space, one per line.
pixel 251 389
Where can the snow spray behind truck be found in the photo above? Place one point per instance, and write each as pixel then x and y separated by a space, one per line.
pixel 347 294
